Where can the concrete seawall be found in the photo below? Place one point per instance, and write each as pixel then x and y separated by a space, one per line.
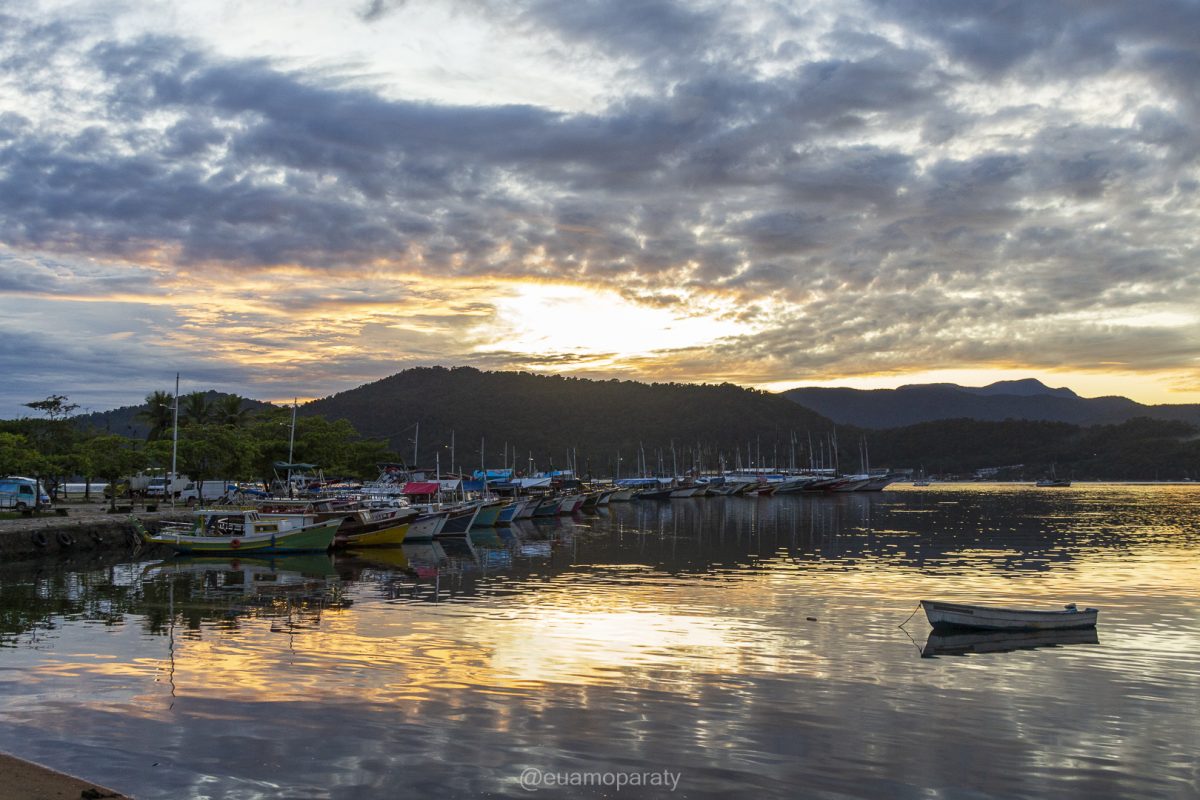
pixel 83 529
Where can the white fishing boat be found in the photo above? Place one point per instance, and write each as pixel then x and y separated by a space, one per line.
pixel 993 618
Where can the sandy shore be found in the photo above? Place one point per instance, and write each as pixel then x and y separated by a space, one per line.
pixel 24 780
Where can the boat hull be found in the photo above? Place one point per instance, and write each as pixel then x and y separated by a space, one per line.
pixel 384 537
pixel 459 522
pixel 488 515
pixel 989 618
pixel 311 539
pixel 425 527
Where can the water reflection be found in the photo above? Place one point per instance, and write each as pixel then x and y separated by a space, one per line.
pixel 750 643
pixel 964 643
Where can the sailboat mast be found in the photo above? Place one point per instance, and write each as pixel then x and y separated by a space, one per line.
pixel 174 443
pixel 292 443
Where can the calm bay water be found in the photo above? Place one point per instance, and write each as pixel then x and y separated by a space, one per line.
pixel 751 646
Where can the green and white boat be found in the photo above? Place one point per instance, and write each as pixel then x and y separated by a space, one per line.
pixel 244 531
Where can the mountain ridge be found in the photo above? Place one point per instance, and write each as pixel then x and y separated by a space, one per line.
pixel 1027 399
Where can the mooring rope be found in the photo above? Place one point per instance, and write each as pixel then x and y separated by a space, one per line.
pixel 910 616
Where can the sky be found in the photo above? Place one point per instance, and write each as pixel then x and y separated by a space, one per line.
pixel 294 198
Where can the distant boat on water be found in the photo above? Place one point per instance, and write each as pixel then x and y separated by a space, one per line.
pixel 1053 482
pixel 993 618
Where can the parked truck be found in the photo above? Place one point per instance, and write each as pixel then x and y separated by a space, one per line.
pixel 205 491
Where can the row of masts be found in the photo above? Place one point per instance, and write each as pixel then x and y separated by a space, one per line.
pixel 822 457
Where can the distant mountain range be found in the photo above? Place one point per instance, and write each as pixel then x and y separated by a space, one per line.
pixel 1027 399
pixel 942 429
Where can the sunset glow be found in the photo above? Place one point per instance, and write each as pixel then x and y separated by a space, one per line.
pixel 298 200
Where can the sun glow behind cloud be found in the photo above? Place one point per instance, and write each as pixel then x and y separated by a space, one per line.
pixel 598 326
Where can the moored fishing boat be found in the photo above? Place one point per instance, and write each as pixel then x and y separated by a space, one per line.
pixel 529 504
pixel 489 512
pixel 509 512
pixel 426 526
pixel 547 506
pixel 460 520
pixel 225 531
pixel 388 535
pixel 993 618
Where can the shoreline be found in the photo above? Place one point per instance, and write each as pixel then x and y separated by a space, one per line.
pixel 30 781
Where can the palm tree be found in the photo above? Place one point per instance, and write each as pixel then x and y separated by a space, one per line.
pixel 159 412
pixel 196 408
pixel 229 410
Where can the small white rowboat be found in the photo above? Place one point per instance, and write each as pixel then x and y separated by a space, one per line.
pixel 954 615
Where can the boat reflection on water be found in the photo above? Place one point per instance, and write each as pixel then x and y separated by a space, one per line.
pixel 225 585
pixel 981 642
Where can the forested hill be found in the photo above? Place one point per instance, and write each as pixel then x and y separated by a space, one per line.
pixel 1139 449
pixel 1017 400
pixel 551 415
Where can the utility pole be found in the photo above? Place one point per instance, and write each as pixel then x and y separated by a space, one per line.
pixel 174 444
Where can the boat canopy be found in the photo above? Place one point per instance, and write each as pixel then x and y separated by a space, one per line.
pixel 422 487
pixel 285 465
pixel 473 486
pixel 532 483
pixel 493 474
pixel 642 483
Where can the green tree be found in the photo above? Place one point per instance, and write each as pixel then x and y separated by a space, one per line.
pixel 335 446
pixel 18 456
pixel 55 407
pixel 112 458
pixel 208 452
pixel 54 438
pixel 195 408
pixel 231 409
pixel 159 412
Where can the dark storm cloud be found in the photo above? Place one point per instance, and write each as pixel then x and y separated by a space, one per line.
pixel 898 183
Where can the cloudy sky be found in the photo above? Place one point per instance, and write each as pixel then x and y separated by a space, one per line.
pixel 297 197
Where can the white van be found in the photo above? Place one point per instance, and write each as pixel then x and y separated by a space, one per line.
pixel 22 493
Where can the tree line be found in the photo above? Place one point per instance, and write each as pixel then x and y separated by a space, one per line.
pixel 219 438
